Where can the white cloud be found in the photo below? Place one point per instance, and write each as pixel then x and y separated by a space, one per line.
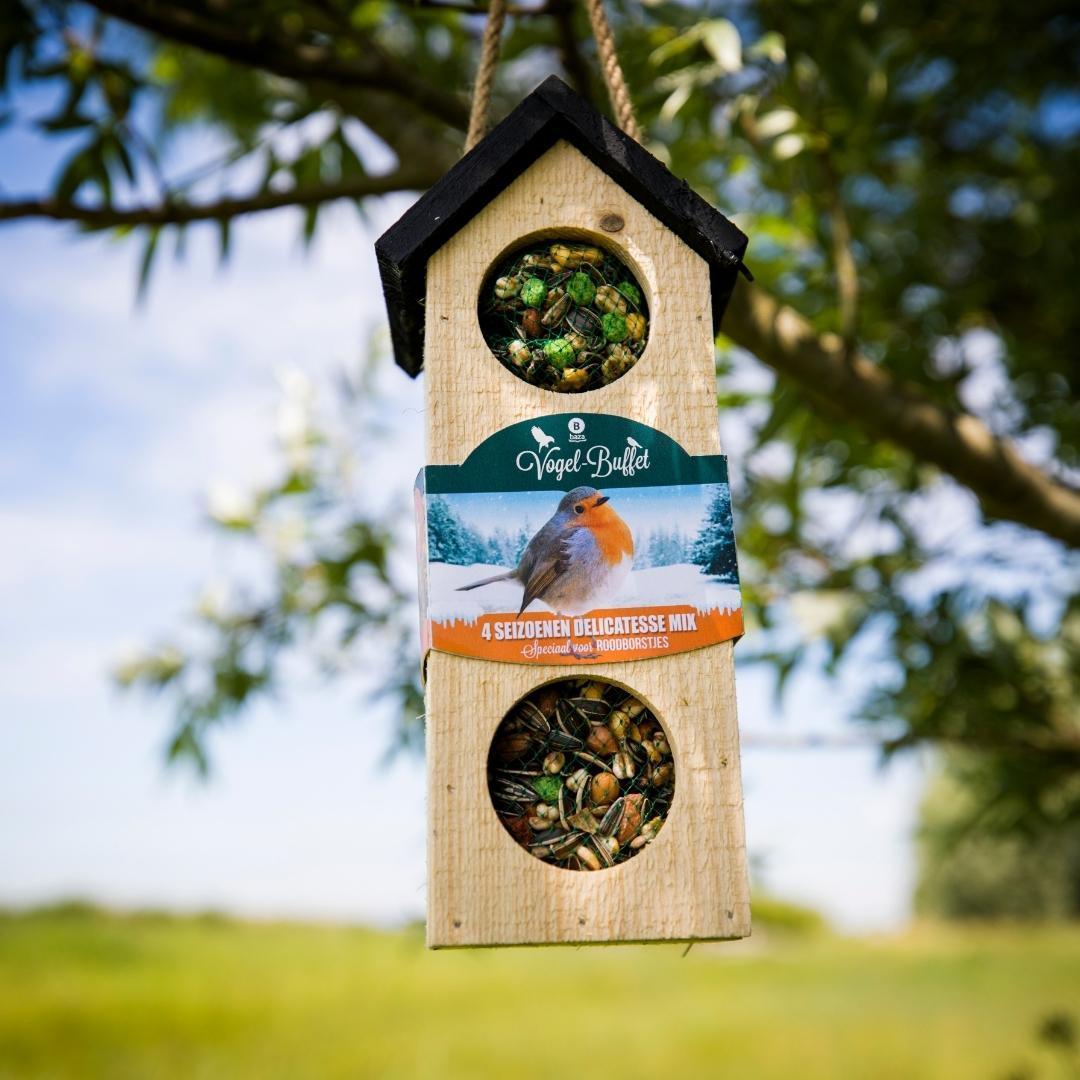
pixel 56 547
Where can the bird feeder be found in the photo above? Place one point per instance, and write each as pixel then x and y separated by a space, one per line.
pixel 561 291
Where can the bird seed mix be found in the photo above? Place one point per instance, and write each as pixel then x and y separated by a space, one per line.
pixel 581 774
pixel 564 315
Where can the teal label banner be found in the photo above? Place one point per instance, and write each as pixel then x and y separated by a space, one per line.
pixel 568 449
pixel 574 539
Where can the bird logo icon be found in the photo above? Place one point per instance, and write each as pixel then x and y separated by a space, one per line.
pixel 543 440
pixel 577 560
pixel 631 441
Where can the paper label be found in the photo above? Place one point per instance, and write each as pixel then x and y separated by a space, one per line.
pixel 574 539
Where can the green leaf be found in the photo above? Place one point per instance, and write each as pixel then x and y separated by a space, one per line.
pixel 311 221
pixel 721 38
pixel 675 101
pixel 224 239
pixel 307 168
pixel 776 122
pixel 99 168
pixel 785 406
pixel 186 745
pixel 270 168
pixel 788 146
pixel 120 154
pixel 67 121
pixel 77 170
pixel 350 163
pixel 146 263
pixel 770 46
pixel 676 46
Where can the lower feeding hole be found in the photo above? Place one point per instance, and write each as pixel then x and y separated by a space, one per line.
pixel 564 315
pixel 581 774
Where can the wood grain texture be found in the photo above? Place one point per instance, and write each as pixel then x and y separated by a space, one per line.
pixel 691 882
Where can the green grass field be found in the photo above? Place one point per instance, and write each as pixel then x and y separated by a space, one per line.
pixel 88 994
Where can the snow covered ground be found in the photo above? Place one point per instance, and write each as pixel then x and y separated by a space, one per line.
pixel 682 583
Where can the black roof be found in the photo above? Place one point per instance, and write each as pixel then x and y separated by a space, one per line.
pixel 551 112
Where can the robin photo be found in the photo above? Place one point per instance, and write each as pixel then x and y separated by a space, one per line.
pixel 577 560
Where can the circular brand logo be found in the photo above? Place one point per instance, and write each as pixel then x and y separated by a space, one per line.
pixel 576 425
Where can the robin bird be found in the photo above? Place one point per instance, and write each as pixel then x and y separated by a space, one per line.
pixel 579 557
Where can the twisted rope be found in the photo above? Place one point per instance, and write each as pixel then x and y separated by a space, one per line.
pixel 610 68
pixel 485 74
pixel 614 80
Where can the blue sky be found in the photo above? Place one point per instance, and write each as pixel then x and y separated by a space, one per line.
pixel 114 422
pixel 643 509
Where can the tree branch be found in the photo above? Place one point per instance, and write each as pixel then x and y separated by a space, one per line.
pixel 467 8
pixel 175 212
pixel 1027 745
pixel 843 257
pixel 374 69
pixel 573 60
pixel 961 445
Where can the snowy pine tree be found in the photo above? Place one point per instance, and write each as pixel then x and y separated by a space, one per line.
pixel 502 548
pixel 663 548
pixel 493 547
pixel 450 540
pixel 714 548
pixel 520 543
pixel 654 552
pixel 678 551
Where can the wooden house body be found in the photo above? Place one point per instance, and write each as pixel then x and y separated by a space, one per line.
pixel 555 168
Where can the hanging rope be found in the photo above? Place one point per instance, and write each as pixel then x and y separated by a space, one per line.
pixel 612 71
pixel 617 89
pixel 485 74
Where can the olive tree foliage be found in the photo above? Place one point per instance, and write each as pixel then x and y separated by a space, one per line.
pixel 979 875
pixel 899 384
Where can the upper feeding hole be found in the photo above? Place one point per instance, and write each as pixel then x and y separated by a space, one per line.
pixel 564 314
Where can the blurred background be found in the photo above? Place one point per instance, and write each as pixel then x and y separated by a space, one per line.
pixel 211 785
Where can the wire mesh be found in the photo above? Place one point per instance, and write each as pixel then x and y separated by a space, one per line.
pixel 581 774
pixel 564 315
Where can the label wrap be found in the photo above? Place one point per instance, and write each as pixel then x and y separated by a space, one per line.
pixel 640 562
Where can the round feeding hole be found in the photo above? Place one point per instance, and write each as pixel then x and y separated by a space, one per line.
pixel 564 315
pixel 581 774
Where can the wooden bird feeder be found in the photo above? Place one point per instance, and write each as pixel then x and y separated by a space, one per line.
pixel 502 454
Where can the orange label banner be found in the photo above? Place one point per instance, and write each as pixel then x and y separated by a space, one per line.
pixel 606 635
